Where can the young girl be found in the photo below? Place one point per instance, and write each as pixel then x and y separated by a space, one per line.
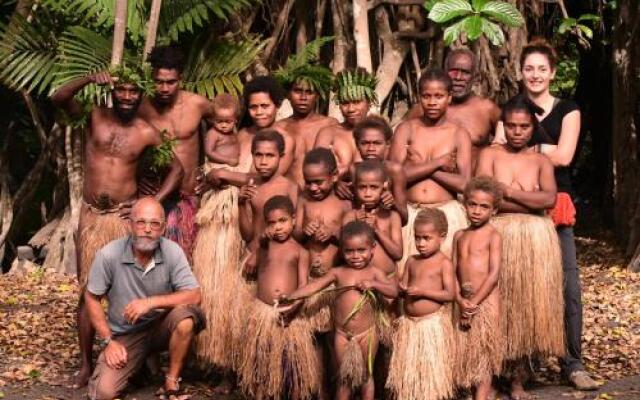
pixel 354 309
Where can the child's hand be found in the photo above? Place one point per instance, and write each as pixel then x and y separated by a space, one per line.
pixel 247 192
pixel 322 233
pixel 363 216
pixel 387 200
pixel 413 291
pixel 310 228
pixel 250 266
pixel 344 190
pixel 365 285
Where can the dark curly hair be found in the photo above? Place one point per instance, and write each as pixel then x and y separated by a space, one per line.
pixel 321 156
pixel 435 217
pixel 268 135
pixel 278 202
pixel 264 84
pixel 167 57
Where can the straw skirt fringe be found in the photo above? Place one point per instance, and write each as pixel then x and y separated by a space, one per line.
pixel 481 347
pixel 531 284
pixel 216 256
pixel 456 220
pixel 98 229
pixel 277 361
pixel 353 371
pixel 421 362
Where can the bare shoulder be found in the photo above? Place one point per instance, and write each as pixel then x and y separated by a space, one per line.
pixel 444 260
pixel 194 99
pixel 458 235
pixel 393 168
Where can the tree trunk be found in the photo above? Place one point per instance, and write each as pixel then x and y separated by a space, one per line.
pixel 119 32
pixel 394 53
pixel 340 48
pixel 302 22
pixel 626 119
pixel 361 34
pixel 152 28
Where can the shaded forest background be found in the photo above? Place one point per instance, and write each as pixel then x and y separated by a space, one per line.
pixel 44 43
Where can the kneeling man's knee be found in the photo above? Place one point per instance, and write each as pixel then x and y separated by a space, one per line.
pixel 184 327
pixel 103 390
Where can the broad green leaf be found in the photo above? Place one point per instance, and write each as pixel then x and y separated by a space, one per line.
pixel 493 32
pixel 566 24
pixel 447 10
pixel 588 32
pixel 589 17
pixel 472 26
pixel 503 12
pixel 451 33
pixel 428 5
pixel 478 4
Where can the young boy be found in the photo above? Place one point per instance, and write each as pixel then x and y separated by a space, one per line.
pixel 221 144
pixel 370 183
pixel 477 257
pixel 354 310
pixel 372 136
pixel 423 346
pixel 267 148
pixel 319 212
pixel 278 357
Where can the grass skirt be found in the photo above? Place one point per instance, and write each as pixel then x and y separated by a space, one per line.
pixel 530 285
pixel 352 371
pixel 98 228
pixel 181 225
pixel 456 219
pixel 278 361
pixel 216 257
pixel 421 362
pixel 481 347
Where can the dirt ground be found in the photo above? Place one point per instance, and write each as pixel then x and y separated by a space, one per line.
pixel 38 346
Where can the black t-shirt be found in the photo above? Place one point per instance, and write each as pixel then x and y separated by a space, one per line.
pixel 551 127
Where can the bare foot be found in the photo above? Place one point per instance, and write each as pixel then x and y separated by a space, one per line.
pixel 81 379
pixel 518 392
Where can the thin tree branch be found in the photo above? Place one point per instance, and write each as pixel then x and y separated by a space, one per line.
pixel 280 25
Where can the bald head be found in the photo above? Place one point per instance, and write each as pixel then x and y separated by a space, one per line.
pixel 147 208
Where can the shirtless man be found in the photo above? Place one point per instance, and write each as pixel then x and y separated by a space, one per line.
pixel 178 113
pixel 531 263
pixel 114 144
pixel 478 115
pixel 354 108
pixel 303 125
pixel 437 158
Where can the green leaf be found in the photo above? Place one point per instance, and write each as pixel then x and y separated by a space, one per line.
pixel 214 67
pixel 451 33
pixel 472 26
pixel 566 25
pixel 478 4
pixel 589 17
pixel 588 32
pixel 493 32
pixel 503 12
pixel 447 10
pixel 428 5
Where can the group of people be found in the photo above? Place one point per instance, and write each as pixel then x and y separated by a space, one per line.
pixel 308 257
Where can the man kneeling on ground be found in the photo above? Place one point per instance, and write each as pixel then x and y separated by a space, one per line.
pixel 153 303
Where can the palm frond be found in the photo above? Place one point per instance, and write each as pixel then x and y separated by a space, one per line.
pixel 215 66
pixel 180 16
pixel 27 54
pixel 99 14
pixel 83 52
pixel 310 53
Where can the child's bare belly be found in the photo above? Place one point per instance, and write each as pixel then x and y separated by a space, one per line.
pixel 271 288
pixel 361 321
pixel 421 308
pixel 428 192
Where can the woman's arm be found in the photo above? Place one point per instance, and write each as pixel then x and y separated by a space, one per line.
pixel 562 154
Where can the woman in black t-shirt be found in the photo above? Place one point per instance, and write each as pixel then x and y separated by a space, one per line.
pixel 558 139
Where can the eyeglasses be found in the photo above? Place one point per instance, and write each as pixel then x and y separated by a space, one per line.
pixel 142 223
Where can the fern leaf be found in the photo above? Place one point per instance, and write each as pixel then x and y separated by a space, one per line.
pixel 215 67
